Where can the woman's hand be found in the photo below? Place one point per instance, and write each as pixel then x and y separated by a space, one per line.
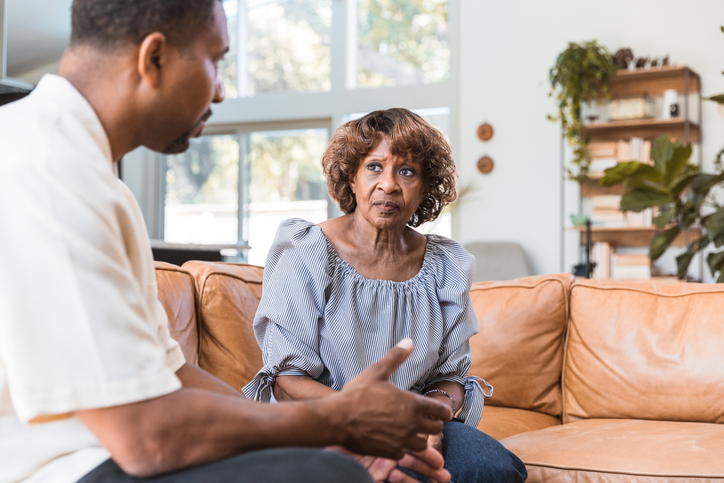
pixel 428 463
pixel 434 441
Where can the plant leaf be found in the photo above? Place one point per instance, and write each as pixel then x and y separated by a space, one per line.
pixel 684 260
pixel 630 171
pixel 715 262
pixel 661 152
pixel 665 217
pixel 718 98
pixel 715 227
pixel 682 264
pixel 662 241
pixel 679 159
pixel 679 184
pixel 639 199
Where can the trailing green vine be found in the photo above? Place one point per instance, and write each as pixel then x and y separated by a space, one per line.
pixel 582 73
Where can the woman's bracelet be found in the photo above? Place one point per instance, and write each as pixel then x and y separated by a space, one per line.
pixel 443 392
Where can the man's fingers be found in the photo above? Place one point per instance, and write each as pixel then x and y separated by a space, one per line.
pixel 429 426
pixel 383 369
pixel 435 409
pixel 419 466
pixel 415 443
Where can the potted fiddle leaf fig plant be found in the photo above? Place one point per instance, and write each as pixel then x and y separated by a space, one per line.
pixel 683 196
pixel 582 73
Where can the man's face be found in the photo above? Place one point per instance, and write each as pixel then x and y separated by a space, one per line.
pixel 190 82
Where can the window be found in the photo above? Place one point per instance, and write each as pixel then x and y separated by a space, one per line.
pixel 402 42
pixel 277 46
pixel 281 177
pixel 297 69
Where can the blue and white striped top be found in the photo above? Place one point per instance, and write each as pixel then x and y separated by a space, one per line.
pixel 319 317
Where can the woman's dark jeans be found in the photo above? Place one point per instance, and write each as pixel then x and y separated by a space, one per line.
pixel 472 456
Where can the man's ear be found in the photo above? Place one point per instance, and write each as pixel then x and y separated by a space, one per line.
pixel 152 55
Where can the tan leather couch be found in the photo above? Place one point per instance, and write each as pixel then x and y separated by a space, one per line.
pixel 594 381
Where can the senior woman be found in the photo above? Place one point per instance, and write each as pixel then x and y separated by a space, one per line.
pixel 338 295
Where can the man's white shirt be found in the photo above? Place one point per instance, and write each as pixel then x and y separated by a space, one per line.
pixel 80 322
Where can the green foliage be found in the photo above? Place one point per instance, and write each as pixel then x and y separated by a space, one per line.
pixel 683 196
pixel 582 73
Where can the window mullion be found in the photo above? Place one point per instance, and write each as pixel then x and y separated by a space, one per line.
pixel 242 51
pixel 344 45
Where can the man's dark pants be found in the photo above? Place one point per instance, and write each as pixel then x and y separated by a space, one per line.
pixel 282 465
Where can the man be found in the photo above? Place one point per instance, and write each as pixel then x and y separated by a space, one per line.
pixel 88 371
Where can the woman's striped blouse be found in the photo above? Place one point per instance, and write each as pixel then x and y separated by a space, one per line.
pixel 319 317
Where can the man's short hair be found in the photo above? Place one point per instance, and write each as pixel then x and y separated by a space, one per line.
pixel 109 24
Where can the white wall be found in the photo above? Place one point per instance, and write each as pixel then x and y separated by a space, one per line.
pixel 507 48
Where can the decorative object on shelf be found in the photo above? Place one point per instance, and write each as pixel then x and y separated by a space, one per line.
pixel 684 197
pixel 632 108
pixel 485 164
pixel 671 106
pixel 582 73
pixel 485 132
pixel 579 220
pixel 641 62
pixel 622 57
pixel 665 61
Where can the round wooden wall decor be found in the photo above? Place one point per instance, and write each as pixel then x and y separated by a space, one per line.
pixel 485 132
pixel 485 164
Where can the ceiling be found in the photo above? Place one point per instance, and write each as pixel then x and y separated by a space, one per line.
pixel 38 32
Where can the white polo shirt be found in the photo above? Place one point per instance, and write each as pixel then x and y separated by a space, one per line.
pixel 80 322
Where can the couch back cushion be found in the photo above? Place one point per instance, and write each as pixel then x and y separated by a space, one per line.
pixel 519 348
pixel 177 294
pixel 643 350
pixel 228 295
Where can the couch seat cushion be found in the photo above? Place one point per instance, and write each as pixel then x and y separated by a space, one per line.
pixel 629 450
pixel 501 423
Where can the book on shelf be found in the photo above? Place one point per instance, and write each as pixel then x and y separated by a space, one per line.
pixel 601 257
pixel 603 156
pixel 607 154
pixel 635 149
pixel 630 266
pixel 605 212
pixel 610 264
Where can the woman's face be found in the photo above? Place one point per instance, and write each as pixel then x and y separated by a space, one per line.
pixel 388 189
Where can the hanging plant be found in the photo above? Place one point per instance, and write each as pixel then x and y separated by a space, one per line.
pixel 582 73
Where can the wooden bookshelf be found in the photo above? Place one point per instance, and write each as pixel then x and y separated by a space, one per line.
pixel 627 236
pixel 652 82
pixel 648 129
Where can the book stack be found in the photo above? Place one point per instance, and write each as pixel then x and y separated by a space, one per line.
pixel 603 156
pixel 601 257
pixel 605 211
pixel 606 155
pixel 641 219
pixel 636 149
pixel 630 266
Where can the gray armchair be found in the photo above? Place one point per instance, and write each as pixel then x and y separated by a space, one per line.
pixel 497 261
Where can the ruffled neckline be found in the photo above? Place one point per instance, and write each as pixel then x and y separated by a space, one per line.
pixel 347 269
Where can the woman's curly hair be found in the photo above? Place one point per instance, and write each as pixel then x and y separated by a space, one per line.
pixel 410 138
